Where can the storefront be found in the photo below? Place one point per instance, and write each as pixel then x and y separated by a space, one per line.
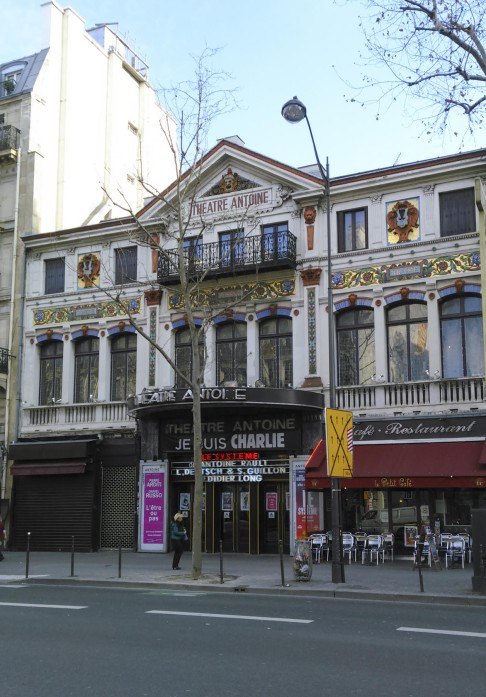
pixel 407 473
pixel 249 438
pixel 81 489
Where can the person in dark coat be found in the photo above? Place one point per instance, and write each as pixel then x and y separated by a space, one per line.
pixel 2 539
pixel 177 535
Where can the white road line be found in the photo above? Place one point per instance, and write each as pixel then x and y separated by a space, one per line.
pixel 230 617
pixel 477 635
pixel 50 607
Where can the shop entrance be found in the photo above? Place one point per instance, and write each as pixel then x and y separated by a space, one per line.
pixel 275 517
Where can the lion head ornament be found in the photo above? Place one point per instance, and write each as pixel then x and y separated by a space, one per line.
pixel 403 222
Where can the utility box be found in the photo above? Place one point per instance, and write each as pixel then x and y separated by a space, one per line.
pixel 479 549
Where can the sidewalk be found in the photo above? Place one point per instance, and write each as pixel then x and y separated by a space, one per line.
pixel 395 580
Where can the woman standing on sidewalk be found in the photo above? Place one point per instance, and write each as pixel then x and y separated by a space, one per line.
pixel 177 535
pixel 2 539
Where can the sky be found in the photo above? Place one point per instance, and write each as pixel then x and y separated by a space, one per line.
pixel 273 49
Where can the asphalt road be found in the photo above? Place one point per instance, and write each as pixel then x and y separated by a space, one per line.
pixel 72 642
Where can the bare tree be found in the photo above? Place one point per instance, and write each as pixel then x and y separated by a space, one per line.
pixel 434 53
pixel 175 239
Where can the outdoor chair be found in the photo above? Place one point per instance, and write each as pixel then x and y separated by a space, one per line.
pixel 456 550
pixel 375 548
pixel 349 546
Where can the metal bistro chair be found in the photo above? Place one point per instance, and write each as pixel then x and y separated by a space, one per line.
pixel 375 548
pixel 389 544
pixel 349 546
pixel 318 542
pixel 467 543
pixel 456 550
pixel 443 543
pixel 360 538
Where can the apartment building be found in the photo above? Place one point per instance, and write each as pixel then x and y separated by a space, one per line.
pixel 101 408
pixel 79 129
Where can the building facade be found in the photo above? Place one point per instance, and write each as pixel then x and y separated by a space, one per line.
pixel 409 361
pixel 79 130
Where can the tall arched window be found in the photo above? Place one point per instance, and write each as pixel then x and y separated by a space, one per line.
pixel 461 327
pixel 231 353
pixel 355 333
pixel 183 354
pixel 50 376
pixel 408 354
pixel 276 352
pixel 123 366
pixel 86 361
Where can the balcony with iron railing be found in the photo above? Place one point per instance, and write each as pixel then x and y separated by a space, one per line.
pixel 3 361
pixel 9 143
pixel 88 418
pixel 446 395
pixel 262 252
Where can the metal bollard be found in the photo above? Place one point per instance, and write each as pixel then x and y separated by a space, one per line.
pixel 280 549
pixel 72 556
pixel 221 561
pixel 27 556
pixel 119 559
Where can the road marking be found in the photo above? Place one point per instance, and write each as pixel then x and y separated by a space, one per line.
pixel 228 617
pixel 478 635
pixel 50 607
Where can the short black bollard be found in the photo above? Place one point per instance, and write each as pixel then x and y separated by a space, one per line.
pixel 221 561
pixel 280 549
pixel 72 556
pixel 27 556
pixel 119 559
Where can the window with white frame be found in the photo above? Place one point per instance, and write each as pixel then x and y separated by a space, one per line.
pixel 276 352
pixel 125 265
pixel 231 353
pixel 183 355
pixel 461 326
pixel 457 212
pixel 355 334
pixel 50 374
pixel 352 230
pixel 123 366
pixel 407 332
pixel 86 365
pixel 54 275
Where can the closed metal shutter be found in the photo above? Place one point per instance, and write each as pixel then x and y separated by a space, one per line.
pixel 53 508
pixel 118 507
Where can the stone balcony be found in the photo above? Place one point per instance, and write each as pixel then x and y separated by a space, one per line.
pixel 448 396
pixel 68 419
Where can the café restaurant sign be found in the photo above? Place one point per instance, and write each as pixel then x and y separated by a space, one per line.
pixel 419 430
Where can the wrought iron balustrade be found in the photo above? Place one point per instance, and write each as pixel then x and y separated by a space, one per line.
pixel 9 138
pixel 3 360
pixel 224 258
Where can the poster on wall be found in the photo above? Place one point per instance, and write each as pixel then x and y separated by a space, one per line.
pixel 297 502
pixel 152 507
pixel 271 500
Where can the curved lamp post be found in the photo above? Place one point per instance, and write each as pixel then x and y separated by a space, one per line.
pixel 295 111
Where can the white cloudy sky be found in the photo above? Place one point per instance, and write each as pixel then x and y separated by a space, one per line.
pixel 274 49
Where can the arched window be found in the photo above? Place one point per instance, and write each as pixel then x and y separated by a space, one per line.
pixel 123 366
pixel 408 354
pixel 231 353
pixel 355 334
pixel 183 354
pixel 461 327
pixel 86 361
pixel 50 376
pixel 276 352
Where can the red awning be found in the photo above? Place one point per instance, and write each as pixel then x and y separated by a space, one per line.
pixel 30 469
pixel 317 458
pixel 396 462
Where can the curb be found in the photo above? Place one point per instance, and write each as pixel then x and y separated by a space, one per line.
pixel 338 594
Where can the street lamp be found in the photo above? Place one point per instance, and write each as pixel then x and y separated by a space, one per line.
pixel 295 111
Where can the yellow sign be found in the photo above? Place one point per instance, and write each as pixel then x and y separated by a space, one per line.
pixel 339 443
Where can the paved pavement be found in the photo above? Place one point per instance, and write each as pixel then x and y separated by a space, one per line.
pixel 393 580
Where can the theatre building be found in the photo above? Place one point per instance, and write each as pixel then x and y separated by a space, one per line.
pixel 407 304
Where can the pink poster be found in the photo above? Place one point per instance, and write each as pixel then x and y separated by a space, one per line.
pixel 153 508
pixel 271 501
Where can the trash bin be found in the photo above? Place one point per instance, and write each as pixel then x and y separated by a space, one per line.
pixel 302 560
